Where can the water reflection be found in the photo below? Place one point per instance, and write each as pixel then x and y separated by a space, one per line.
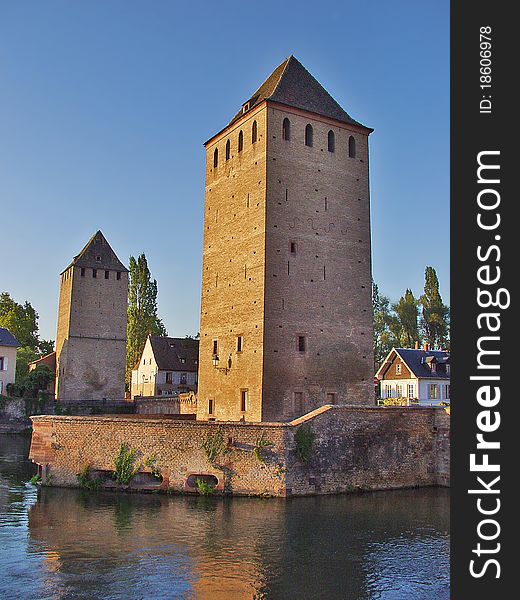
pixel 386 546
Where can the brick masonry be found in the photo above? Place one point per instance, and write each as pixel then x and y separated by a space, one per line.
pixel 355 448
pixel 272 193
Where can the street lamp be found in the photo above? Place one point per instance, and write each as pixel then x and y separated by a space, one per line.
pixel 216 362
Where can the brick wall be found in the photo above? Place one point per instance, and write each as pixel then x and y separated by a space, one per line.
pixel 354 448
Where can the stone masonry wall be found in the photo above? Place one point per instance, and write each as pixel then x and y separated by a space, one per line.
pixel 355 448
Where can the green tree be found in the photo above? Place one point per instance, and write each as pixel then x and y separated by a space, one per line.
pixel 384 326
pixel 142 312
pixel 22 321
pixel 435 316
pixel 407 311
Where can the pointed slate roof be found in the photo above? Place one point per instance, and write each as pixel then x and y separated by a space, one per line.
pixel 7 338
pixel 291 84
pixel 97 254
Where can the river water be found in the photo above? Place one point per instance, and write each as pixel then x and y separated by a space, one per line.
pixel 61 543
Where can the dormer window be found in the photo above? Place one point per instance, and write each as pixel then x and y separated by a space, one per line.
pixel 98 258
pixel 245 107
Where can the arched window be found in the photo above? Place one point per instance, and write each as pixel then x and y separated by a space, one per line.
pixel 240 141
pixel 351 147
pixel 215 158
pixel 286 129
pixel 308 135
pixel 228 150
pixel 254 132
pixel 331 141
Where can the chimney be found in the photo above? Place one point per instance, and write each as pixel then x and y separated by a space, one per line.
pixel 417 345
pixel 426 347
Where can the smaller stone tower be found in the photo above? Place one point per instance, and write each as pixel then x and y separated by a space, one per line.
pixel 91 336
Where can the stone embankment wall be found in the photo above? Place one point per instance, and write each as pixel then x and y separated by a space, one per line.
pixel 353 448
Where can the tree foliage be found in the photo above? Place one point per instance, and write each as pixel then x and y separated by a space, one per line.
pixel 407 311
pixel 142 311
pixel 435 316
pixel 22 321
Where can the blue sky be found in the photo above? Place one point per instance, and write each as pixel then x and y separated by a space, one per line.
pixel 105 105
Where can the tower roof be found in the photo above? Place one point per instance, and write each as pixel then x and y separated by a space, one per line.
pixel 291 84
pixel 97 254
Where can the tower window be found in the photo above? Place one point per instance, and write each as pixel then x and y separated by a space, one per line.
pixel 228 149
pixel 215 347
pixel 240 343
pixel 331 398
pixel 82 271
pixel 215 158
pixel 107 274
pixel 293 247
pixel 301 343
pixel 211 406
pixel 286 129
pixel 118 276
pixel 254 132
pixel 351 147
pixel 94 273
pixel 331 142
pixel 243 400
pixel 308 135
pixel 240 141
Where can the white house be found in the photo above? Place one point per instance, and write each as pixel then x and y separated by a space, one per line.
pixel 8 347
pixel 167 366
pixel 422 376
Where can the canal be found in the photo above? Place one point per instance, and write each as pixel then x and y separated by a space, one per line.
pixel 61 543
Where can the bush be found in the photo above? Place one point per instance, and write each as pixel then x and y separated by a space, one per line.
pixel 213 445
pixel 86 481
pixel 125 469
pixel 204 488
pixel 262 443
pixel 35 480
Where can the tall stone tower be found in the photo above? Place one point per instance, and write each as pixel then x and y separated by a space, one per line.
pixel 91 337
pixel 286 320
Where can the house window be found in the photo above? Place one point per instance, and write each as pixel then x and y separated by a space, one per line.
pixel 398 369
pixel 118 277
pixel 215 346
pixel 351 147
pixel 182 361
pixel 331 398
pixel 308 135
pixel 240 141
pixel 399 390
pixel 228 150
pixel 243 400
pixel 82 271
pixel 331 142
pixel 169 377
pixel 211 406
pixel 239 343
pixel 184 378
pixel 410 390
pixel 215 158
pixel 254 132
pixel 388 391
pixel 286 129
pixel 301 343
pixel 433 391
pixel 107 274
pixel 447 392
pixel 94 273
pixel 3 364
pixel 298 403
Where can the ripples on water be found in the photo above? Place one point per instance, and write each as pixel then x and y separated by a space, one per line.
pixel 59 543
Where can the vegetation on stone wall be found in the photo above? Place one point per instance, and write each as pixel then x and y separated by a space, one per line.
pixel 204 488
pixel 262 444
pixel 86 481
pixel 213 445
pixel 124 463
pixel 304 439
